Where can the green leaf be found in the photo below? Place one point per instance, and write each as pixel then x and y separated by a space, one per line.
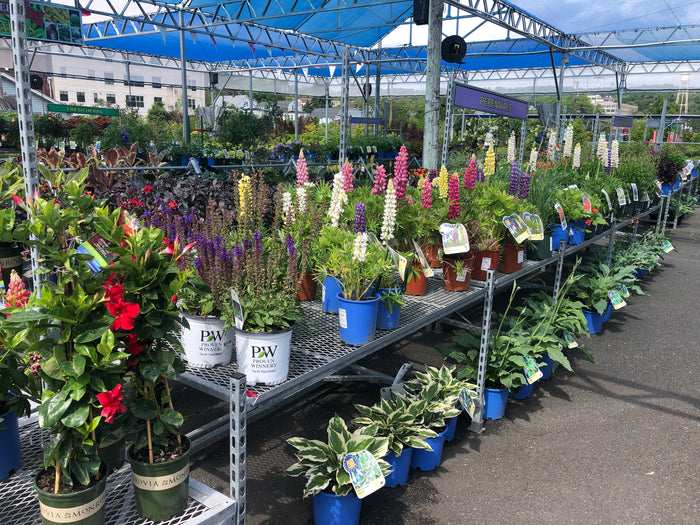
pixel 51 368
pixel 316 483
pixel 150 371
pixel 76 418
pixel 143 409
pixel 52 410
pixel 91 331
pixel 28 315
pixel 80 472
pixel 171 417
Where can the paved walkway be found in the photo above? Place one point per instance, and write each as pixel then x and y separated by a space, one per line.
pixel 616 442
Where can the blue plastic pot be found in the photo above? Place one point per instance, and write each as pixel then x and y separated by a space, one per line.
pixel 429 459
pixel 523 392
pixel 594 320
pixel 639 273
pixel 357 320
pixel 10 452
pixel 559 234
pixel 329 295
pixel 608 311
pixel 495 400
pixel 547 368
pixel 386 320
pixel 401 465
pixel 676 184
pixel 694 173
pixel 666 188
pixel 451 428
pixel 330 509
pixel 578 232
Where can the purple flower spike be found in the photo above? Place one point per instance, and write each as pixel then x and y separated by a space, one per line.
pixel 524 189
pixel 514 176
pixel 360 225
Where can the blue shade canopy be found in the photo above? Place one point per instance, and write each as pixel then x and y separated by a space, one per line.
pixel 311 33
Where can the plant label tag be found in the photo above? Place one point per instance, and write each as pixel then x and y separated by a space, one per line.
pixel 342 318
pixel 373 238
pixel 570 341
pixel 573 187
pixel 627 197
pixel 646 198
pixel 323 293
pixel 403 263
pixel 534 224
pixel 616 299
pixel 226 155
pixel 521 256
pixel 624 292
pixel 465 399
pixel 532 372
pixel 365 472
pixel 461 276
pixel 635 192
pixel 667 246
pixel 427 270
pixel 98 247
pixel 517 227
pixel 485 263
pixel 621 196
pixel 454 238
pixel 607 198
pixel 587 206
pixel 562 217
pixel 374 149
pixel 237 309
pixel 687 169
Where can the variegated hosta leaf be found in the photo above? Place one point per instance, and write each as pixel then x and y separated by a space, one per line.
pixel 296 470
pixel 359 442
pixel 314 454
pixel 316 483
pixel 338 435
pixel 362 421
pixel 418 443
pixel 379 447
pixel 370 430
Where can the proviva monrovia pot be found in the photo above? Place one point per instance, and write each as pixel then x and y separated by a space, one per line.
pixel 86 507
pixel 330 288
pixel 400 467
pixel 161 489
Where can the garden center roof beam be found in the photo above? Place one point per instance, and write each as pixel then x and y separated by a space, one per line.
pixel 509 17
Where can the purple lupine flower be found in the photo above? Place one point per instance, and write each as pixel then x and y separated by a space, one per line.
pixel 514 176
pixel 480 177
pixel 360 225
pixel 524 189
pixel 609 165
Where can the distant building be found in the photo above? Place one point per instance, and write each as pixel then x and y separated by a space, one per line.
pixel 8 96
pixel 609 105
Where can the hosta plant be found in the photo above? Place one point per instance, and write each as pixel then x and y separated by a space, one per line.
pixel 441 404
pixel 599 279
pixel 398 420
pixel 322 463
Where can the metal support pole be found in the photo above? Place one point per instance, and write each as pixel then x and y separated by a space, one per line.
pixel 237 441
pixel 183 72
pixel 665 219
pixel 662 126
pixel 431 130
pixel 477 424
pixel 23 92
pixel 596 128
pixel 660 213
pixel 611 241
pixel 464 113
pixel 328 83
pixel 560 268
pixel 521 151
pixel 296 103
pixel 675 215
pixel 560 93
pixel 377 80
pixel 366 97
pixel 448 119
pixel 344 105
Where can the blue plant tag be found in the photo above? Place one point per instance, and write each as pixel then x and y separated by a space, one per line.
pixel 624 292
pixel 365 472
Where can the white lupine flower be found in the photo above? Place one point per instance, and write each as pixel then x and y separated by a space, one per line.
pixel 511 148
pixel 551 146
pixel 301 200
pixel 532 164
pixel 615 154
pixel 568 141
pixel 602 151
pixel 577 157
pixel 287 208
pixel 338 200
pixel 359 252
pixel 389 220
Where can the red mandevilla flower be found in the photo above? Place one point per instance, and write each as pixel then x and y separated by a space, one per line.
pixel 125 314
pixel 111 403
pixel 133 345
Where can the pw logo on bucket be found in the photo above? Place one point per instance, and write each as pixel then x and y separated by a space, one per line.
pixel 216 335
pixel 262 352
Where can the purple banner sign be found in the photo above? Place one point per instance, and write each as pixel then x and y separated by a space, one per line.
pixel 469 97
pixel 623 122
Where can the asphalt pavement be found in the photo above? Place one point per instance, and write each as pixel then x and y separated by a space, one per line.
pixel 617 441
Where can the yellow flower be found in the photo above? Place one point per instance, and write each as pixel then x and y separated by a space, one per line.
pixel 444 182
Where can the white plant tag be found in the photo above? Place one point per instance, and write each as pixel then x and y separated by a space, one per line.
pixel 485 263
pixel 365 472
pixel 521 256
pixel 635 192
pixel 607 198
pixel 342 318
pixel 237 309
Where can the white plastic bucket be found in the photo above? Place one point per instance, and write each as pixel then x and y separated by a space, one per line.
pixel 206 343
pixel 263 356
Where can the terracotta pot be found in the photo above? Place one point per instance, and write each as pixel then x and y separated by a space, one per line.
pixel 307 287
pixel 480 262
pixel 431 254
pixel 512 260
pixel 417 286
pixel 453 281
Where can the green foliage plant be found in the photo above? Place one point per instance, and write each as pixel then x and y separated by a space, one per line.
pixel 322 463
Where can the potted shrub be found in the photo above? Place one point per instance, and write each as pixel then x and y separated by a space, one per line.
pixel 669 163
pixel 397 419
pixel 327 481
pixel 580 212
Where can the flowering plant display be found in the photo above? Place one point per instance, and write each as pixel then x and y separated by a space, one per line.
pixel 362 263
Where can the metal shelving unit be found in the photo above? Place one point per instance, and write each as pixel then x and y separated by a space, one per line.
pixel 19 503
